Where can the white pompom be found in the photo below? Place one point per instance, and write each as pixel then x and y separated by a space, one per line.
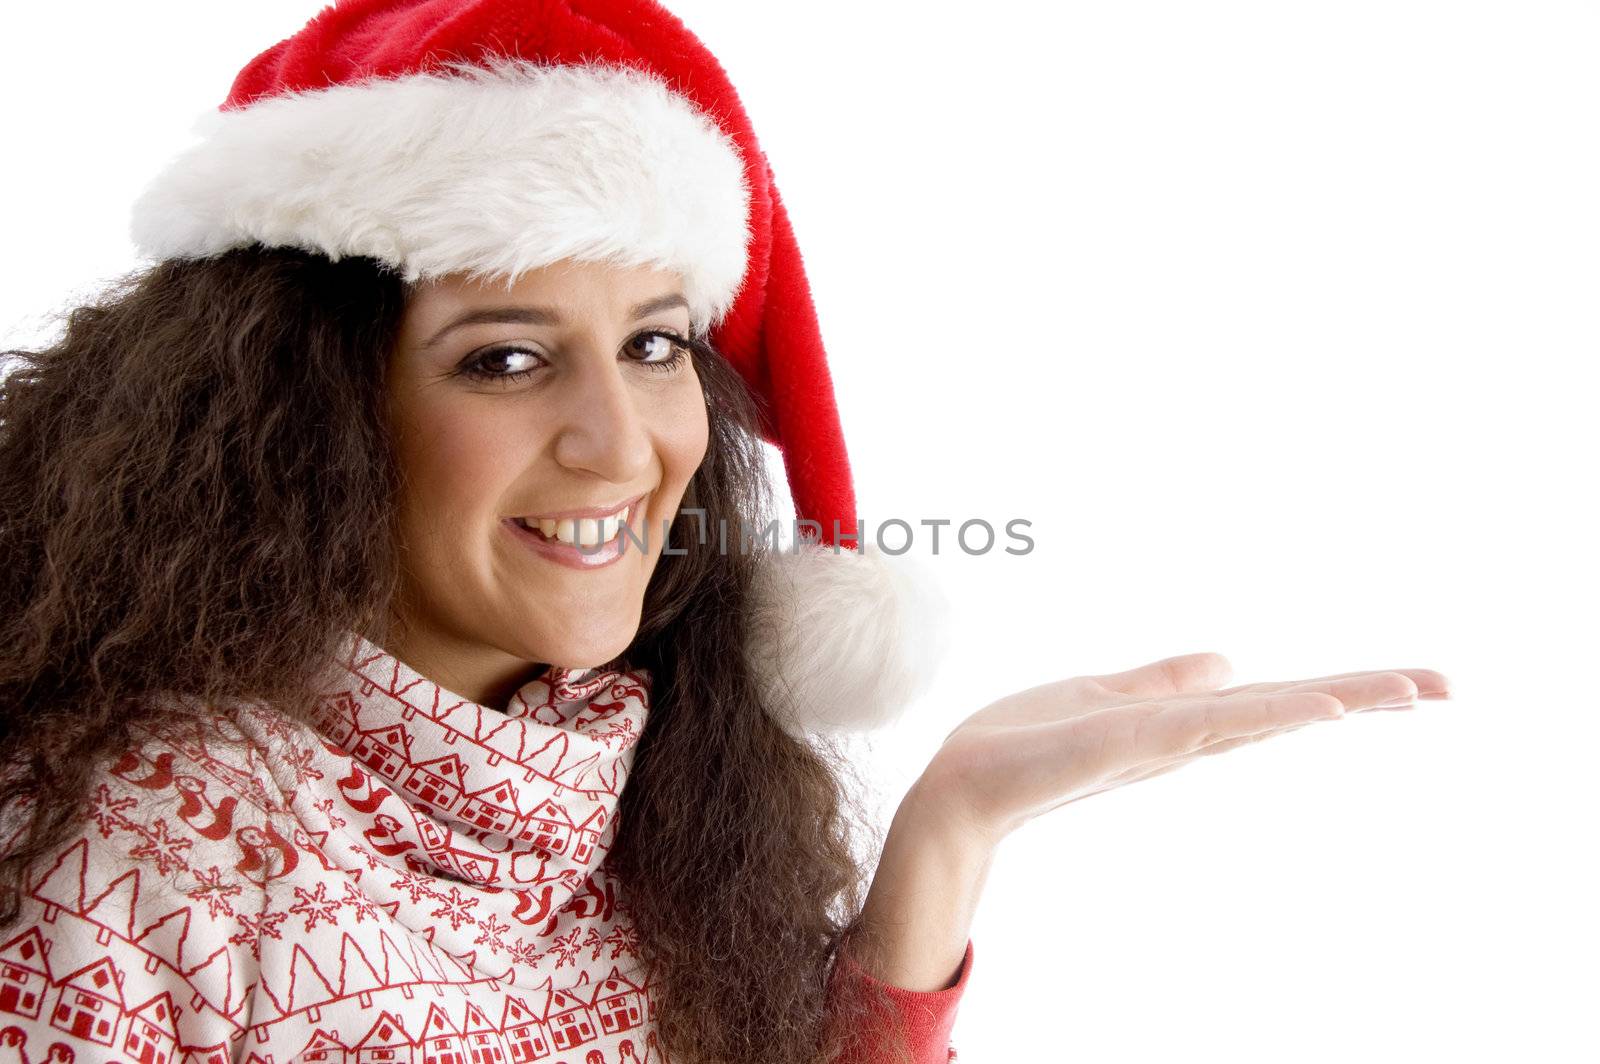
pixel 843 640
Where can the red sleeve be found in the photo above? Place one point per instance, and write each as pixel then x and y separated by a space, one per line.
pixel 923 1018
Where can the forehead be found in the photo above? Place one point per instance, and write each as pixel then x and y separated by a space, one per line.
pixel 589 287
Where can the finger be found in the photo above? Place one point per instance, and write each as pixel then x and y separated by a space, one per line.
pixel 1156 768
pixel 1136 735
pixel 1167 765
pixel 1183 674
pixel 1430 684
pixel 1367 692
pixel 1178 727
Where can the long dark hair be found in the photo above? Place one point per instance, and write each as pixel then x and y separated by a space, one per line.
pixel 189 480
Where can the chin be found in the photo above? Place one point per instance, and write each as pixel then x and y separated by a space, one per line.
pixel 579 647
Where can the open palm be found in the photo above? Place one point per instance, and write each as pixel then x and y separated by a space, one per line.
pixel 1038 749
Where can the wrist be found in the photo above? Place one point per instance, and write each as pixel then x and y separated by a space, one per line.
pixel 933 832
pixel 918 914
pixel 938 809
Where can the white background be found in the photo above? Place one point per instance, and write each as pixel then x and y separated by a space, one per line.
pixel 1278 322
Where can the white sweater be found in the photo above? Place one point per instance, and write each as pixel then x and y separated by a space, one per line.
pixel 421 881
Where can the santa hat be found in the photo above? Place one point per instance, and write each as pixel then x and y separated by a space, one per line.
pixel 497 136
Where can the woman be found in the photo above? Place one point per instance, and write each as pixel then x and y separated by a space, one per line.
pixel 371 689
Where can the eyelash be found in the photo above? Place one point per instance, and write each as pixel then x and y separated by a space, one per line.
pixel 681 346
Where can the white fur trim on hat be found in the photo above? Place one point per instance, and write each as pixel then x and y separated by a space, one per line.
pixel 841 640
pixel 490 171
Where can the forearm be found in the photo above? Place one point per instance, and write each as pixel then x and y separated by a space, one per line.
pixel 917 917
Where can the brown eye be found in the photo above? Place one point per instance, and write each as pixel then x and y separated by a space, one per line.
pixel 501 364
pixel 659 349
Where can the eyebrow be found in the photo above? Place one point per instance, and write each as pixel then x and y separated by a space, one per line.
pixel 530 315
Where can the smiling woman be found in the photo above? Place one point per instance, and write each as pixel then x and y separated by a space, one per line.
pixel 251 759
pixel 361 690
pixel 376 680
pixel 571 397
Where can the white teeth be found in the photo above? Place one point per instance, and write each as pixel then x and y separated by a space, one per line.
pixel 583 531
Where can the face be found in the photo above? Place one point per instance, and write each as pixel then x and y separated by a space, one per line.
pixel 511 410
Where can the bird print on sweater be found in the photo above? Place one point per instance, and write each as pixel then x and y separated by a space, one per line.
pixel 416 878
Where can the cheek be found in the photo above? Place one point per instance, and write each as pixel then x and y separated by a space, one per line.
pixel 456 465
pixel 683 433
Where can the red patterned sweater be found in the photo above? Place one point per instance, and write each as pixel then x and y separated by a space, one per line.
pixel 420 878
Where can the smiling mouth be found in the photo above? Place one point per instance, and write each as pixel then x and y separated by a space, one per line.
pixel 581 531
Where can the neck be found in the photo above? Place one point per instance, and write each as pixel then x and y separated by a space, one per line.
pixel 477 671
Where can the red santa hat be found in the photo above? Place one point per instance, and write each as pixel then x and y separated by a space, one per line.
pixel 497 136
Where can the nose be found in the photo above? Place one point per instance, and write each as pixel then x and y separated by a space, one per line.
pixel 603 427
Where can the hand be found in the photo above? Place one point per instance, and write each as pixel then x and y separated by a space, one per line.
pixel 1039 749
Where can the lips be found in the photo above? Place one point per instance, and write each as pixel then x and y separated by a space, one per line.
pixel 575 528
pixel 589 511
pixel 600 555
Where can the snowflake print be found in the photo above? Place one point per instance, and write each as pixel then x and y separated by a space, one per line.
pixel 255 927
pixel 566 948
pixel 213 892
pixel 165 850
pixel 623 940
pixel 325 807
pixel 523 951
pixel 594 941
pixel 455 909
pixel 107 811
pixel 316 906
pixel 299 759
pixel 415 885
pixel 359 902
pixel 493 932
pixel 275 725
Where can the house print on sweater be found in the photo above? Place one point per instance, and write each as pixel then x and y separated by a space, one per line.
pixel 418 878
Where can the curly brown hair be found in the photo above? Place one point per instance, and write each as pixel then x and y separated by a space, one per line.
pixel 189 477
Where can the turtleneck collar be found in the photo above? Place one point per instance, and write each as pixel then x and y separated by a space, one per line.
pixel 522 797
